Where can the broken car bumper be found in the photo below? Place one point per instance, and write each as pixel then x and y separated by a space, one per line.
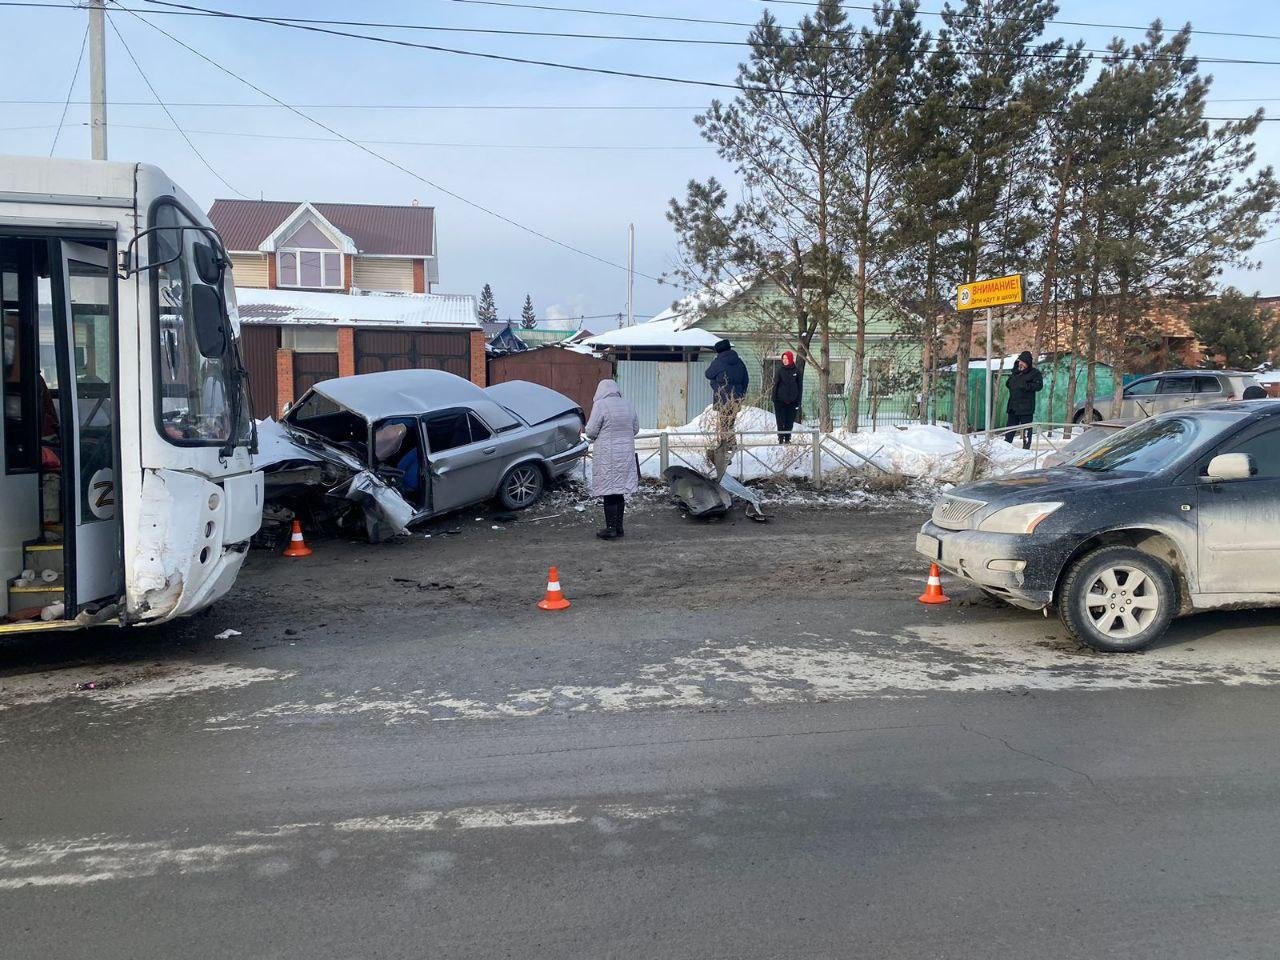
pixel 1007 565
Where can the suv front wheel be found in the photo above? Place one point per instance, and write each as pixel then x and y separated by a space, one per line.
pixel 1117 599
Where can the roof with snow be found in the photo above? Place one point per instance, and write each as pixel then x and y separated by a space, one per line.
pixel 259 305
pixel 660 332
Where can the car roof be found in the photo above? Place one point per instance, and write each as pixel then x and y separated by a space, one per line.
pixel 1200 373
pixel 392 393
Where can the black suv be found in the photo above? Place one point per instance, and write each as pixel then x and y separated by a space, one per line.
pixel 1174 514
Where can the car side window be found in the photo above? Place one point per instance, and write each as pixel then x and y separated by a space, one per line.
pixel 1264 448
pixel 1208 385
pixel 1141 388
pixel 445 431
pixel 478 430
pixel 1176 385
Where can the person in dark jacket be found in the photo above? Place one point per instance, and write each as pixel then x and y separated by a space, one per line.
pixel 786 396
pixel 728 375
pixel 1023 385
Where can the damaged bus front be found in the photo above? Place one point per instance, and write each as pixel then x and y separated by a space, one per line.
pixel 128 494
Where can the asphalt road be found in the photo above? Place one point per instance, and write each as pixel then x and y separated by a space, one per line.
pixel 742 741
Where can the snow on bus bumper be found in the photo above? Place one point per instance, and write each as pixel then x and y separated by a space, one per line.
pixel 192 538
pixel 1002 563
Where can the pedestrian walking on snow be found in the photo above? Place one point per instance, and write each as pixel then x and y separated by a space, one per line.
pixel 615 471
pixel 1023 385
pixel 786 396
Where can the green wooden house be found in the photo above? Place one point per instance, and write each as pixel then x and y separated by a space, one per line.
pixel 760 323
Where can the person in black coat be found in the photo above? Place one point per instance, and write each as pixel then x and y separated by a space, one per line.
pixel 728 375
pixel 786 396
pixel 1023 385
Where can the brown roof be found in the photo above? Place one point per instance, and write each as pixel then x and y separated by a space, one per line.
pixel 374 228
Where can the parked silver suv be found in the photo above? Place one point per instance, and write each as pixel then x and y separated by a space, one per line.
pixel 1172 390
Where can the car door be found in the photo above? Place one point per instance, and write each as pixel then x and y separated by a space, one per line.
pixel 461 459
pixel 1238 521
pixel 1139 398
pixel 1175 393
pixel 1210 389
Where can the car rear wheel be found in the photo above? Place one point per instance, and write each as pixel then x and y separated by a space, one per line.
pixel 1118 599
pixel 521 487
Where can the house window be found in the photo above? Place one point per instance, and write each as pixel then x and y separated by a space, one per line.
pixel 309 339
pixel 310 268
pixel 880 376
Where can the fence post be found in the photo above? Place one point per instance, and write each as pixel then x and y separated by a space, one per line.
pixel 816 434
pixel 664 452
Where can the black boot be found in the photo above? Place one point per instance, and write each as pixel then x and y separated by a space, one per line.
pixel 610 531
pixel 619 510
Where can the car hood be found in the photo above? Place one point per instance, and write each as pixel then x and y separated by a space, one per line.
pixel 1051 484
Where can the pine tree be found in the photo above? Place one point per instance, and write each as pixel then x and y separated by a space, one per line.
pixel 528 320
pixel 488 311
pixel 1236 331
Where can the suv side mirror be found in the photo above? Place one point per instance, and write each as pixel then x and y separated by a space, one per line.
pixel 1231 466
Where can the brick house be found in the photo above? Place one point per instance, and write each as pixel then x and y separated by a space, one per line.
pixel 334 289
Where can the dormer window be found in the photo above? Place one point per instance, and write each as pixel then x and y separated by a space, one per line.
pixel 310 268
pixel 309 258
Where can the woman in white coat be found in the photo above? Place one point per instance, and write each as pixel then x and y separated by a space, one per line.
pixel 615 472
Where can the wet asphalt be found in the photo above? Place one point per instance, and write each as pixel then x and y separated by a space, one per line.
pixel 399 757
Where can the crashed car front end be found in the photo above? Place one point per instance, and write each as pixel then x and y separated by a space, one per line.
pixel 305 475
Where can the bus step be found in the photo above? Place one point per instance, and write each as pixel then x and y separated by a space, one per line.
pixel 40 594
pixel 42 556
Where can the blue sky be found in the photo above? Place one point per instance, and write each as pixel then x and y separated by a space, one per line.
pixel 579 175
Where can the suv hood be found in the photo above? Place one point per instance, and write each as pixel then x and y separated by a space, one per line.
pixel 1051 484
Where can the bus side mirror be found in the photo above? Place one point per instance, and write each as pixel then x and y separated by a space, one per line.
pixel 209 263
pixel 210 323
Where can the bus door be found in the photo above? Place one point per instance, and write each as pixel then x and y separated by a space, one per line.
pixel 85 333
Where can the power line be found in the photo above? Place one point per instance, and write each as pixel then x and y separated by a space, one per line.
pixel 311 28
pixel 183 9
pixel 417 143
pixel 169 113
pixel 385 159
pixel 1064 23
pixel 375 106
pixel 75 75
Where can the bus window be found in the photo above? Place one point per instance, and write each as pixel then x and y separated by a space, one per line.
pixel 18 328
pixel 193 390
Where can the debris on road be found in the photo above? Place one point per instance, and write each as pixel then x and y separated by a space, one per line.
pixel 226 634
pixel 700 496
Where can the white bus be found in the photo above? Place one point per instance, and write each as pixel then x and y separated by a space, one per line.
pixel 127 493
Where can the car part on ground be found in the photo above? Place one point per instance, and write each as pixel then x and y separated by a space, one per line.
pixel 702 497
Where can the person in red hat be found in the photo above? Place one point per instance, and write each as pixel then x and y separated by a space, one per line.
pixel 786 396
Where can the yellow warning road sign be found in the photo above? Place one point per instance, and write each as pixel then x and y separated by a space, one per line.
pixel 989 293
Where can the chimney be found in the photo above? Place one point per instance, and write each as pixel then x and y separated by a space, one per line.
pixel 413 202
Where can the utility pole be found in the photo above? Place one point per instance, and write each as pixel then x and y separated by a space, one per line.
pixel 631 274
pixel 987 390
pixel 98 78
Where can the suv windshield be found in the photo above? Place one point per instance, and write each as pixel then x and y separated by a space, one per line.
pixel 1154 444
pixel 198 397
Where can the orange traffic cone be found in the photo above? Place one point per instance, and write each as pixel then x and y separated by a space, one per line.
pixel 297 546
pixel 933 589
pixel 554 600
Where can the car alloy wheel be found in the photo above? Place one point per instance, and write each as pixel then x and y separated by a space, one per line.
pixel 1118 599
pixel 1122 602
pixel 523 486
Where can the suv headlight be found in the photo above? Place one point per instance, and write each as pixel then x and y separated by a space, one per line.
pixel 1023 518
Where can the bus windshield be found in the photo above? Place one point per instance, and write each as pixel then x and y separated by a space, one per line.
pixel 199 398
